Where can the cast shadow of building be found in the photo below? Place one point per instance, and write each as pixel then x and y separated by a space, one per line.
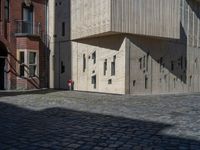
pixel 59 128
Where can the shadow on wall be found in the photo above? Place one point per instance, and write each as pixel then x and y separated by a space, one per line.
pixel 112 42
pixel 58 128
pixel 169 54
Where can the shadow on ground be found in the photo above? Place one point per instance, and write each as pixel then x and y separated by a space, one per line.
pixel 16 93
pixel 58 128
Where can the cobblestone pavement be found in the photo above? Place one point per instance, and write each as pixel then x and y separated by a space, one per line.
pixel 61 120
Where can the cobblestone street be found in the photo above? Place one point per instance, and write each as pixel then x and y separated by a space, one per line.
pixel 61 120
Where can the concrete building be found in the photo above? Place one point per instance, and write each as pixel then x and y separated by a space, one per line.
pixel 23 44
pixel 136 46
pixel 60 44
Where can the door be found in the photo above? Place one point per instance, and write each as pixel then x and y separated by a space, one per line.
pixel 2 65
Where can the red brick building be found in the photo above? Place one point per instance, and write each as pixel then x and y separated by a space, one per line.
pixel 23 44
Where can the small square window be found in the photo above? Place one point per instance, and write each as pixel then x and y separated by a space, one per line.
pixel 110 81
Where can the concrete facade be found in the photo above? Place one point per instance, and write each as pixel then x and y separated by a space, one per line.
pixel 143 17
pixel 60 47
pixel 105 49
pixel 152 55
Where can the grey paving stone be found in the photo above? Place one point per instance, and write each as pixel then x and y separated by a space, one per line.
pixel 78 120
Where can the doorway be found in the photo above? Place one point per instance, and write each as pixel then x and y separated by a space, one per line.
pixel 2 76
pixel 3 56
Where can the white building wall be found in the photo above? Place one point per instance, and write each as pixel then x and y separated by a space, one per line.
pixel 106 48
pixel 159 18
pixel 156 61
pixel 145 20
pixel 90 17
pixel 161 77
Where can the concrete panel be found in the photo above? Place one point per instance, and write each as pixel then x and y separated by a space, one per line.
pixel 90 17
pixel 160 18
pixel 106 48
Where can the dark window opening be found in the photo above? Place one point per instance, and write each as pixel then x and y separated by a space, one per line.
pixel 185 62
pixel 140 61
pixel 94 81
pixel 172 65
pixel 94 57
pixel 165 77
pixel 161 64
pixel 146 82
pixel 84 62
pixel 63 28
pixel 144 63
pixel 105 67
pixel 62 67
pixel 134 82
pixel 113 67
pixel 110 81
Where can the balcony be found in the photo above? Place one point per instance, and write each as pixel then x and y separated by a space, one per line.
pixel 25 28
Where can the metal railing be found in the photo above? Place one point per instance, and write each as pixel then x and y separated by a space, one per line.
pixel 27 28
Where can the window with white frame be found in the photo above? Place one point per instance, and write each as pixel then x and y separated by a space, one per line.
pixel 32 64
pixel 28 63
